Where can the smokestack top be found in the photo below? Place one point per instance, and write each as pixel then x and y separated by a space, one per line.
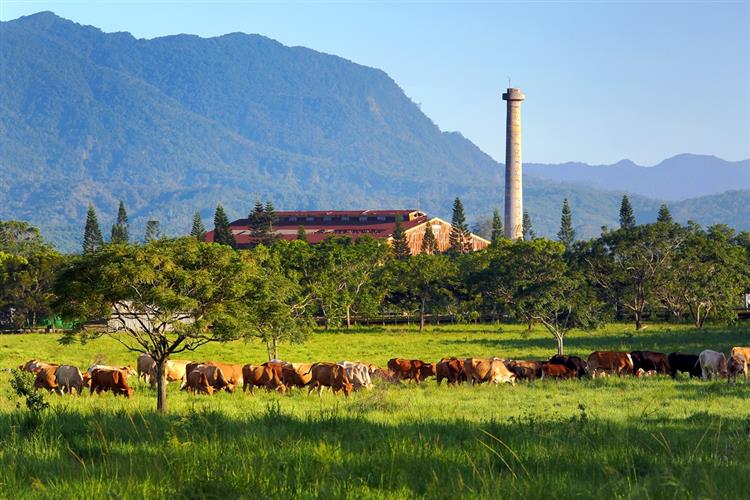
pixel 513 95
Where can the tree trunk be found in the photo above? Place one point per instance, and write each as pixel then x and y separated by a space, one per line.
pixel 275 347
pixel 638 323
pixel 348 317
pixel 161 386
pixel 421 315
pixel 559 339
pixel 268 350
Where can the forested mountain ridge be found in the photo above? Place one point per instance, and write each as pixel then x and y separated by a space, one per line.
pixel 176 124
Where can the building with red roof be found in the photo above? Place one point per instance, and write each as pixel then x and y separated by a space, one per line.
pixel 380 224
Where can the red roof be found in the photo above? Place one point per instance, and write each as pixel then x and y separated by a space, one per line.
pixel 321 224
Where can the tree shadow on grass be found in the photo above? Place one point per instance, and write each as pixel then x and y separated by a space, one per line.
pixel 205 453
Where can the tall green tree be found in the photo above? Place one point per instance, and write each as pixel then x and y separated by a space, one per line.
pixel 120 229
pixel 26 294
pixel 460 237
pixel 497 226
pixel 429 242
pixel 176 289
pixel 20 238
pixel 198 231
pixel 627 218
pixel 425 281
pixel 664 216
pixel 566 234
pixel 222 233
pixel 527 229
pixel 302 233
pixel 400 245
pixel 92 234
pixel 153 231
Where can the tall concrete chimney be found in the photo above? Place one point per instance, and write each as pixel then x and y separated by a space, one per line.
pixel 513 182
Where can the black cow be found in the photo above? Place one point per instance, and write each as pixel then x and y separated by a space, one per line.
pixel 573 362
pixel 681 362
pixel 648 361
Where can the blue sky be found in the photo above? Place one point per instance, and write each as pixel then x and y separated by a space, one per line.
pixel 604 81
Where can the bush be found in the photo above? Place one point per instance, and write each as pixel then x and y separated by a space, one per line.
pixel 23 384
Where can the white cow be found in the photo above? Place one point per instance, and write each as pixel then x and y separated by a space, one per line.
pixel 68 378
pixel 712 363
pixel 358 374
pixel 144 365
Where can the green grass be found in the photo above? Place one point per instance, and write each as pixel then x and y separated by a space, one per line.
pixel 651 437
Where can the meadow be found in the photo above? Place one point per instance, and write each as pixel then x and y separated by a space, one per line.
pixel 623 438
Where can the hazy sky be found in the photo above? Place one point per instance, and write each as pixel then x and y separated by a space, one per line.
pixel 603 80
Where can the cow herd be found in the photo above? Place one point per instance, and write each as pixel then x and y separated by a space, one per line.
pixel 208 377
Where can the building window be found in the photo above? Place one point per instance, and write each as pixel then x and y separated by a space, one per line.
pixel 381 217
pixel 363 219
pixel 326 219
pixel 292 219
pixel 309 219
pixel 345 218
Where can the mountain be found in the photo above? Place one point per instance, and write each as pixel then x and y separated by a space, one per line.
pixel 179 123
pixel 682 176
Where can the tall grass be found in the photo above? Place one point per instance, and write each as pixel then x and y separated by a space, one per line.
pixel 614 437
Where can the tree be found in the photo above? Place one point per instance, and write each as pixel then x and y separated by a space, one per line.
pixel 664 216
pixel 527 231
pixel 198 231
pixel 26 287
pixel 20 238
pixel 627 219
pixel 425 280
pixel 400 245
pixel 162 298
pixel 92 234
pixel 567 234
pixel 271 217
pixel 497 226
pixel 261 222
pixel 120 230
pixel 152 231
pixel 302 233
pixel 222 233
pixel 533 281
pixel 429 242
pixel 460 237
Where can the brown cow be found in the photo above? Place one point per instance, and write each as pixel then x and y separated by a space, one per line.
pixel 329 375
pixel 45 378
pixel 261 376
pixel 411 369
pixel 741 351
pixel 296 374
pixel 110 380
pixel 34 365
pixel 525 370
pixel 233 373
pixel 175 370
pixel 610 361
pixel 451 369
pixel 550 370
pixel 491 370
pixel 197 382
pixel 737 365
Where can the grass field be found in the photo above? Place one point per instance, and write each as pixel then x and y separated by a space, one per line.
pixel 623 438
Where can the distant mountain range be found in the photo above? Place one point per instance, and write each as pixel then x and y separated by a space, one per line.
pixel 677 178
pixel 176 124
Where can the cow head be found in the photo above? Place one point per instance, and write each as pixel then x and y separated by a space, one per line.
pixel 129 392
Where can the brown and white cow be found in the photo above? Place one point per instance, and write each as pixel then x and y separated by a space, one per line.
pixel 737 365
pixel 175 370
pixel 296 374
pixel 261 376
pixel 34 365
pixel 214 374
pixel 712 363
pixel 110 380
pixel 610 361
pixel 491 370
pixel 741 351
pixel 556 371
pixel 45 378
pixel 69 378
pixel 357 373
pixel 329 375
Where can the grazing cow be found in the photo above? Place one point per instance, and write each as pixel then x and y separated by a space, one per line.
pixel 737 365
pixel 127 371
pixel 712 363
pixel 69 378
pixel 261 376
pixel 450 369
pixel 34 365
pixel 233 373
pixel 45 378
pixel 411 369
pixel 146 367
pixel 110 380
pixel 640 372
pixel 525 370
pixel 357 373
pixel 648 361
pixel 197 382
pixel 296 374
pixel 175 369
pixel 610 361
pixel 741 351
pixel 562 372
pixel 491 370
pixel 214 374
pixel 573 362
pixel 386 375
pixel 681 362
pixel 329 375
